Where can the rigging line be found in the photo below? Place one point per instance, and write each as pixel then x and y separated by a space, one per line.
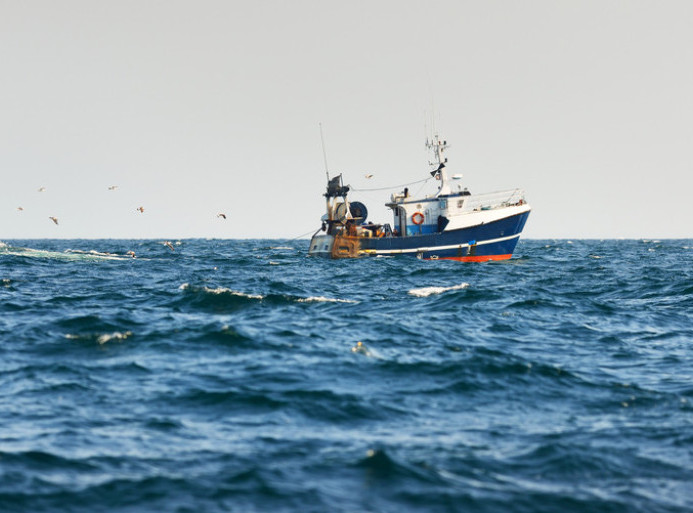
pixel 391 187
pixel 307 233
pixel 416 194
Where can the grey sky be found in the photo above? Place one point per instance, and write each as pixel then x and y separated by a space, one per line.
pixel 196 108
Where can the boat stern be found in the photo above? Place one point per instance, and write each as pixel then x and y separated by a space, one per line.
pixel 335 246
pixel 321 245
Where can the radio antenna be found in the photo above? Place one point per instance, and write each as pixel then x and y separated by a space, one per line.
pixel 324 153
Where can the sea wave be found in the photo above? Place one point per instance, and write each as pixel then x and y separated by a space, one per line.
pixel 270 297
pixel 67 254
pixel 219 291
pixel 98 254
pixel 101 338
pixel 322 299
pixel 429 291
pixel 208 380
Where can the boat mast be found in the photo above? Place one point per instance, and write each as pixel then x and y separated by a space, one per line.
pixel 324 153
pixel 328 204
pixel 335 189
pixel 439 171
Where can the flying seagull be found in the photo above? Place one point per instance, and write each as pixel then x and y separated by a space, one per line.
pixel 112 187
pixel 169 245
pixel 54 219
pixel 20 209
pixel 41 189
pixel 369 176
pixel 222 215
pixel 140 209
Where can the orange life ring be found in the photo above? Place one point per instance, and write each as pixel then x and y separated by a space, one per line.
pixel 417 218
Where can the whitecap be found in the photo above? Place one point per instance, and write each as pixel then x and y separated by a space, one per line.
pixel 221 290
pixel 428 291
pixel 97 254
pixel 321 299
pixel 101 339
pixel 69 254
pixel 116 335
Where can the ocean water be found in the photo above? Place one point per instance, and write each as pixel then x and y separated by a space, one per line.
pixel 242 376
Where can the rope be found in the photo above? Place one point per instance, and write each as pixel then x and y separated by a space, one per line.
pixel 392 187
pixel 304 234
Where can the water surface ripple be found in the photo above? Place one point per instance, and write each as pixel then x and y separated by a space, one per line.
pixel 228 376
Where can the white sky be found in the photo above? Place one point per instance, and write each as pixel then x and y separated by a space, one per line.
pixel 198 107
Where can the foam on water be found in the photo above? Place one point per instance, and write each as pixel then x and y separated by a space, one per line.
pixel 98 254
pixel 225 290
pixel 100 338
pixel 116 335
pixel 221 290
pixel 322 299
pixel 67 254
pixel 429 291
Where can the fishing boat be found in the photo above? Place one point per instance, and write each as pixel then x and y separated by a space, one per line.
pixel 451 224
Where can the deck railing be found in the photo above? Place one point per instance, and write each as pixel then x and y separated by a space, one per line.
pixel 493 200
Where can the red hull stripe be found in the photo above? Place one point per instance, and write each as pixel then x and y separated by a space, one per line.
pixel 477 258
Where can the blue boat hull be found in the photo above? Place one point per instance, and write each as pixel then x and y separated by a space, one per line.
pixel 495 240
pixel 492 241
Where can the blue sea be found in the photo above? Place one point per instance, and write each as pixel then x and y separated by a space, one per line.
pixel 243 376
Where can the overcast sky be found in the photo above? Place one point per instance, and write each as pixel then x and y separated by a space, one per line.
pixel 193 108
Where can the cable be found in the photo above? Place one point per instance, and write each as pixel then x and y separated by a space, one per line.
pixel 388 188
pixel 307 233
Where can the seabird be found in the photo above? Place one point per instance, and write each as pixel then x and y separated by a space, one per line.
pixel 140 209
pixel 131 253
pixel 221 215
pixel 369 176
pixel 41 189
pixel 20 208
pixel 112 187
pixel 54 219
pixel 169 246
